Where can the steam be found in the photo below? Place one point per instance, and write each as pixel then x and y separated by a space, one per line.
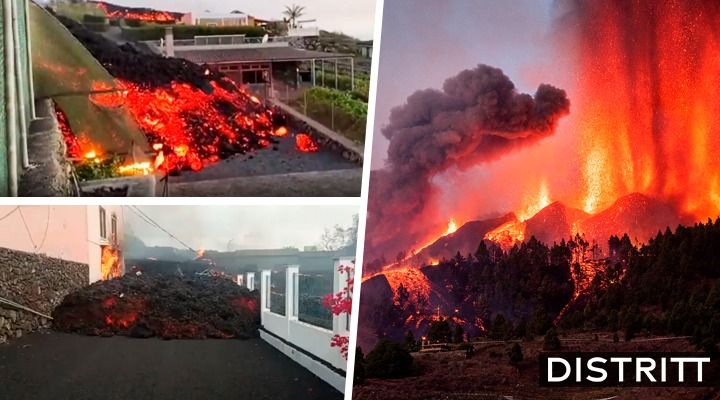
pixel 477 117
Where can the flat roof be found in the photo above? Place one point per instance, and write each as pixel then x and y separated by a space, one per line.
pixel 254 54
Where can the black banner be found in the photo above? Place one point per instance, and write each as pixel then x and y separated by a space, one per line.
pixel 636 369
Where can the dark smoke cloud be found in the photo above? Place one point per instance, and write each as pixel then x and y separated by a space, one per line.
pixel 476 118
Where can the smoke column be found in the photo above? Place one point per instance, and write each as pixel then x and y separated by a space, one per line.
pixel 476 118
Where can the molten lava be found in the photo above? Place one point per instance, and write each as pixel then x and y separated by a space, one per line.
pixel 142 14
pixel 507 235
pixel 305 143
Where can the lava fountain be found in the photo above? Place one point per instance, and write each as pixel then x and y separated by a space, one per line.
pixel 648 75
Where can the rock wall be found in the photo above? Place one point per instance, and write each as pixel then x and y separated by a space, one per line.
pixel 37 282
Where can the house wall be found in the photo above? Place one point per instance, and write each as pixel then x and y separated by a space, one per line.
pixel 55 231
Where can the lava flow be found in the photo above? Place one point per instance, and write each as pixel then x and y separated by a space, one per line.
pixel 142 14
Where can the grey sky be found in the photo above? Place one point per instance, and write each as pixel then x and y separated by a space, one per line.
pixel 248 227
pixel 425 42
pixel 353 17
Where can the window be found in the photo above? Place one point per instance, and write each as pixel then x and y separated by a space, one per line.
pixel 113 228
pixel 295 294
pixel 267 292
pixel 103 228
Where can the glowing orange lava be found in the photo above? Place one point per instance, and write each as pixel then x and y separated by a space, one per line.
pixel 507 234
pixel 452 226
pixel 305 143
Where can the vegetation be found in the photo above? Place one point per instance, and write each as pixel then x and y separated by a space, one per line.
pixel 551 342
pixel 90 170
pixel 293 13
pixel 337 110
pixel 360 91
pixel 388 360
pixel 440 331
pixel 156 32
pixel 515 354
pixel 671 286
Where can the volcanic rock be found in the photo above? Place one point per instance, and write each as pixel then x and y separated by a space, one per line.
pixel 554 223
pixel 165 306
pixel 637 215
pixel 465 240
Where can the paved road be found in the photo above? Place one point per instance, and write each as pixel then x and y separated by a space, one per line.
pixel 62 366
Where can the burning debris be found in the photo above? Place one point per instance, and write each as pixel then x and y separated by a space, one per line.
pixel 169 307
pixel 476 118
pixel 191 115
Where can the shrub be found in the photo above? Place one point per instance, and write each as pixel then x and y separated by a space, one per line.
pixel 388 360
pixel 359 367
pixel 97 19
pixel 551 341
pixel 134 23
pixel 515 354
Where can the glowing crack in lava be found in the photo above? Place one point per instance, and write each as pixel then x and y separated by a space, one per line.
pixel 648 75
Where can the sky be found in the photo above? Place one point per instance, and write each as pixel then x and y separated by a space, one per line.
pixel 425 42
pixel 243 227
pixel 352 17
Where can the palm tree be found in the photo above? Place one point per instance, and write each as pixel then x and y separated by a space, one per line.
pixel 293 13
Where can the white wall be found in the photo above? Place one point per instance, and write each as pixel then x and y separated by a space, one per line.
pixel 310 338
pixel 55 231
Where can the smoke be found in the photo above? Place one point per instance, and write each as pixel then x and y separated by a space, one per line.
pixel 477 117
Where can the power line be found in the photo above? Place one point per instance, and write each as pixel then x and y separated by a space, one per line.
pixel 10 213
pixel 152 222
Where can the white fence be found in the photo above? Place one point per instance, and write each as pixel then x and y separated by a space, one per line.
pixel 308 344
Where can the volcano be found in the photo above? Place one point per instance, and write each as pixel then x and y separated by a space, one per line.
pixel 638 215
pixel 554 223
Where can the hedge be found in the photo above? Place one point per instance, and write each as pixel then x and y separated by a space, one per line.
pixel 94 19
pixel 181 32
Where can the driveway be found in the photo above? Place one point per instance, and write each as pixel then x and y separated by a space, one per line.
pixel 58 366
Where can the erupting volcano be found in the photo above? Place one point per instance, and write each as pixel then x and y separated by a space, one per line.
pixel 645 129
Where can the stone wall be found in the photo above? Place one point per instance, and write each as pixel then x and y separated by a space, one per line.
pixel 37 282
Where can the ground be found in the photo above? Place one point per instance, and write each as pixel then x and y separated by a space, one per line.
pixel 64 366
pixel 489 375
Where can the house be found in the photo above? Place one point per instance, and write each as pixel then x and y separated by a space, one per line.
pixel 88 235
pixel 365 48
pixel 235 18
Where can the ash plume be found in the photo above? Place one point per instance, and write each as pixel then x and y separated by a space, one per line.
pixel 477 117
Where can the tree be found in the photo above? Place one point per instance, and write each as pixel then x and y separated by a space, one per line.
pixel 338 237
pixel 458 334
pixel 551 341
pixel 515 354
pixel 439 331
pixel 410 342
pixel 293 13
pixel 359 367
pixel 388 360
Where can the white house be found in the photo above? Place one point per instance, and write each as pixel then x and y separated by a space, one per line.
pixel 89 235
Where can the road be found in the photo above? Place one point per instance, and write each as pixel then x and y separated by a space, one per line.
pixel 57 366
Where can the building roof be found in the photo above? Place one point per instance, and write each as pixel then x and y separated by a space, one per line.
pixel 254 54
